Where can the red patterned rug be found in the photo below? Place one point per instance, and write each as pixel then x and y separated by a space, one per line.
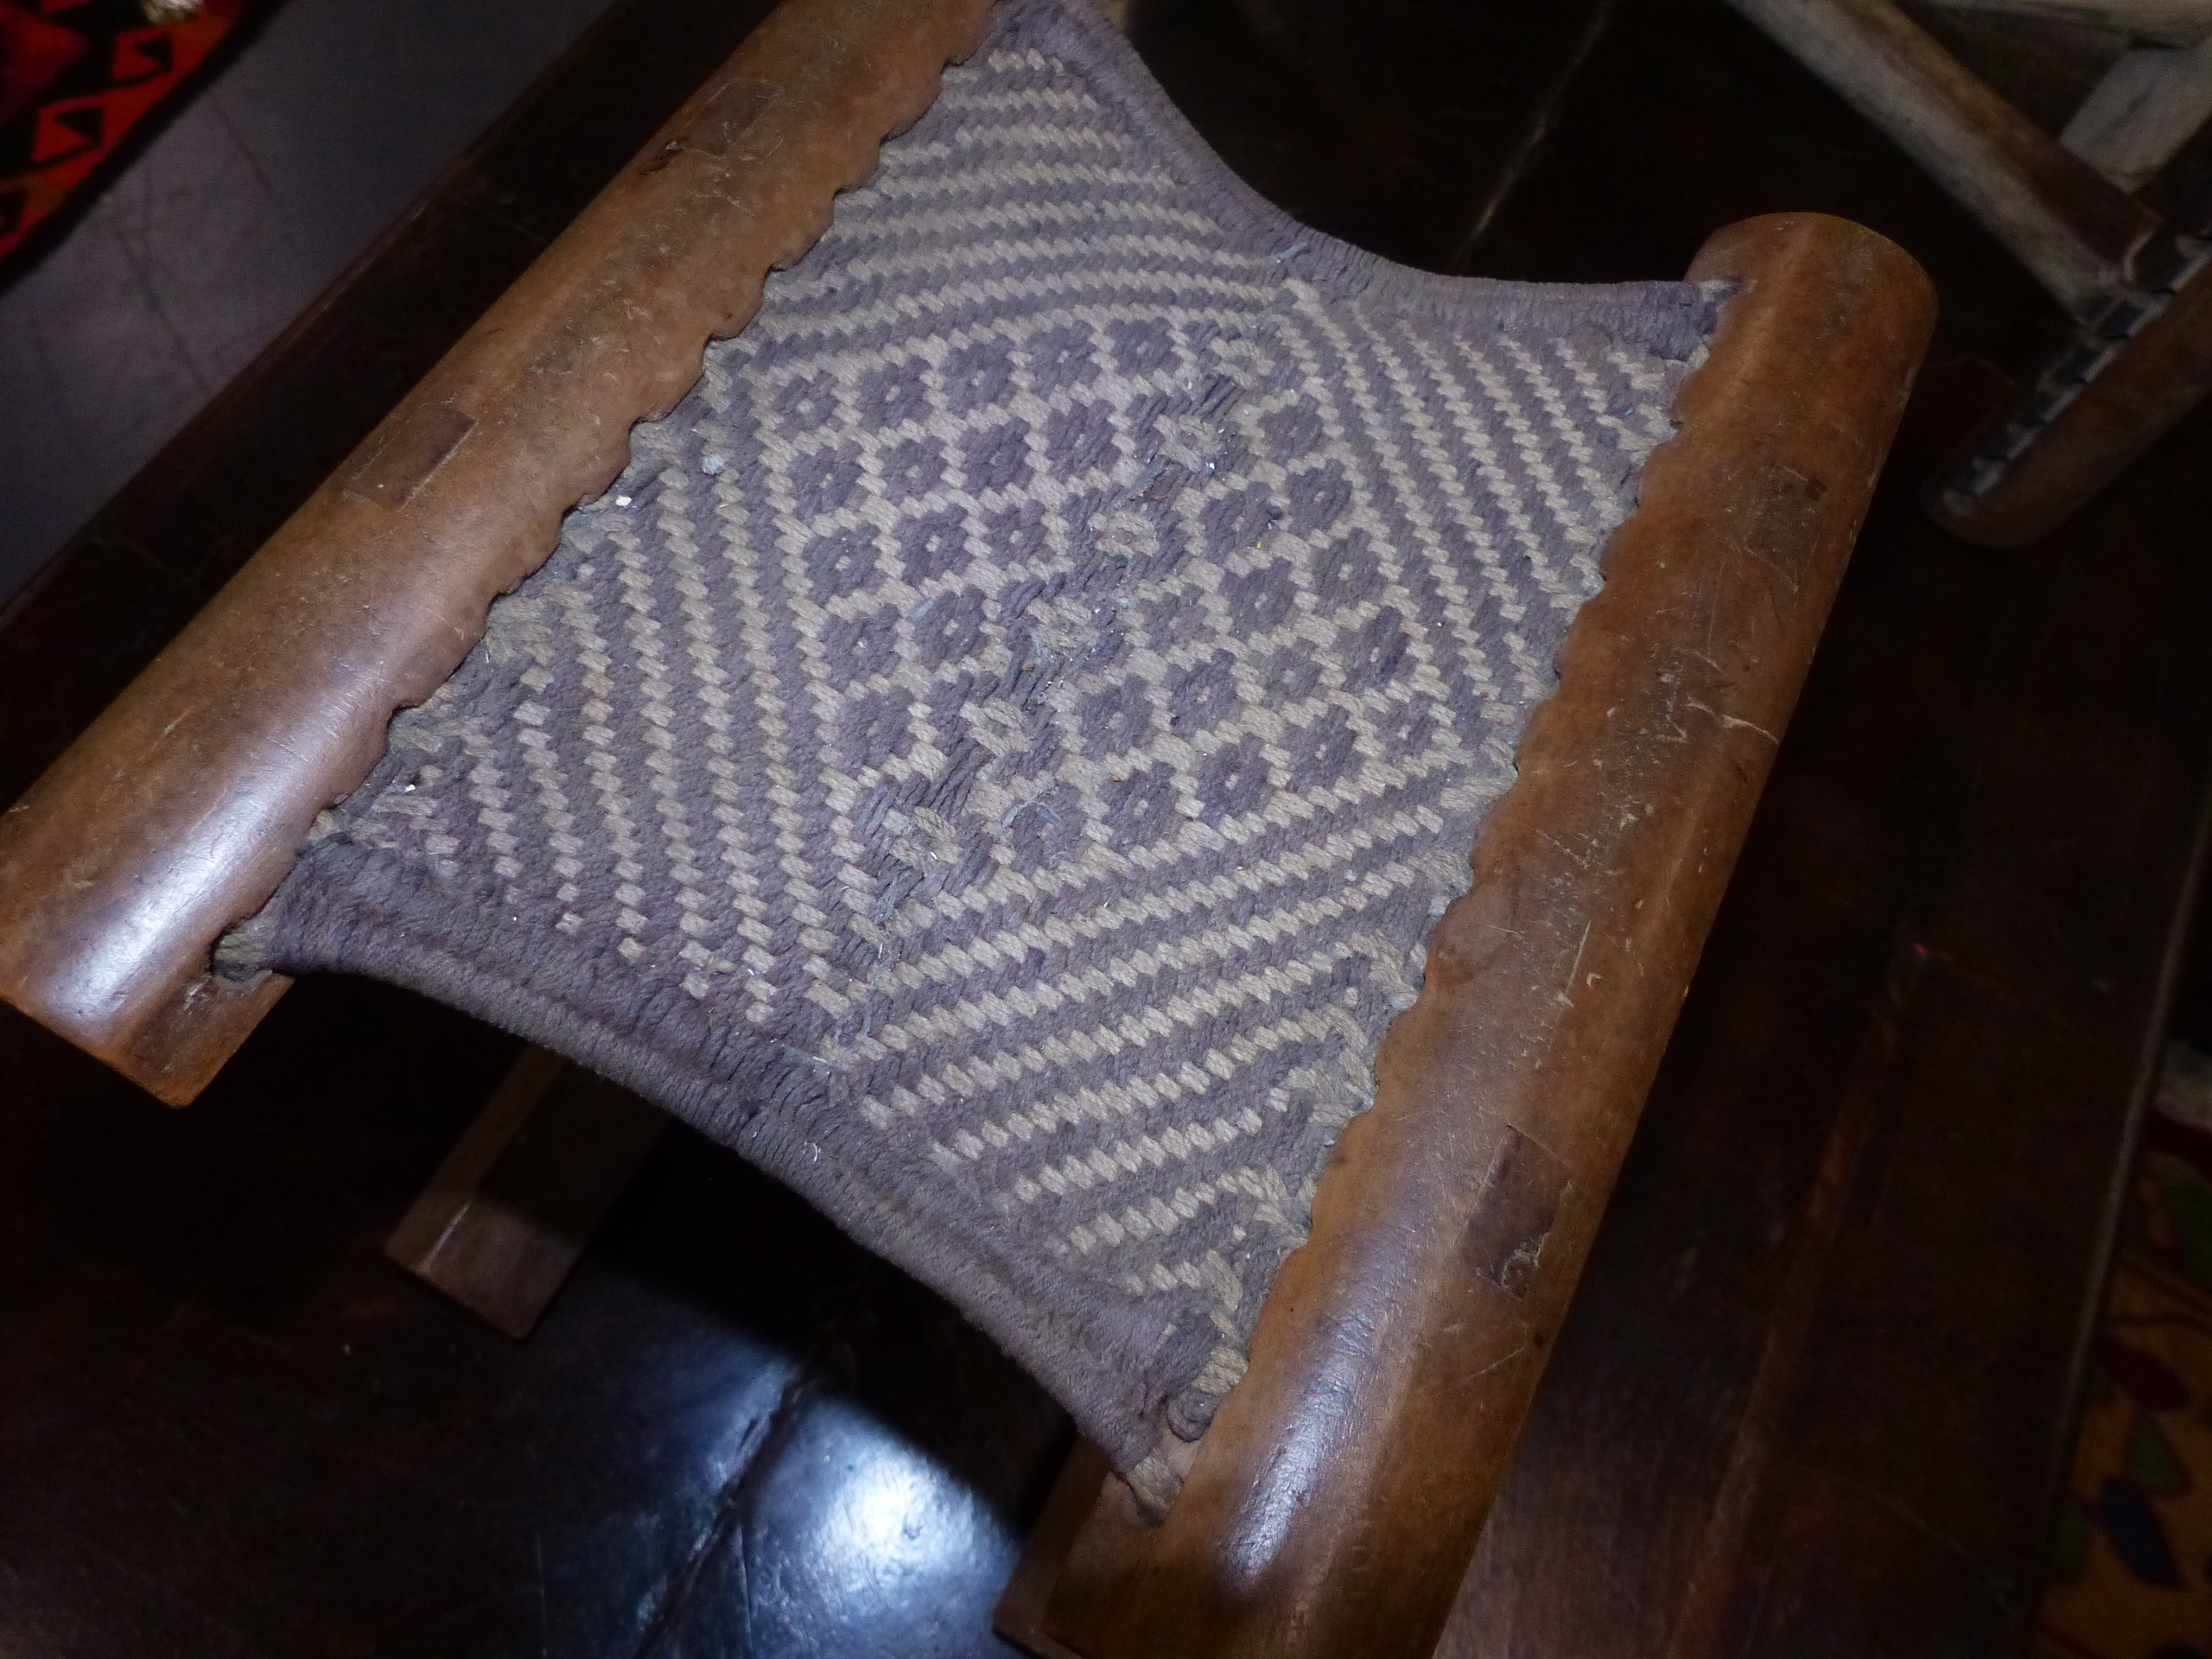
pixel 79 79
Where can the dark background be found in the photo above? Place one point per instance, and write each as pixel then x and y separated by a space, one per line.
pixel 1815 1396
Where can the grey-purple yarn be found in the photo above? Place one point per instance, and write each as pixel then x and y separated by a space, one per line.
pixel 996 755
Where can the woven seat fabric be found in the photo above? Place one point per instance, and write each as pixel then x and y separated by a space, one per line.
pixel 996 755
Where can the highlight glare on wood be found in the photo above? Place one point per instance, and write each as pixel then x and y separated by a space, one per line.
pixel 1331 1509
pixel 176 814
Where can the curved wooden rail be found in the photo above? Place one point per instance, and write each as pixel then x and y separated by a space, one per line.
pixel 1334 1505
pixel 179 810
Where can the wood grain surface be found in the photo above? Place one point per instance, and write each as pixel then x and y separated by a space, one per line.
pixel 178 812
pixel 1333 1506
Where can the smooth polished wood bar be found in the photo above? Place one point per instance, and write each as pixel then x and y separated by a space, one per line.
pixel 176 814
pixel 1334 1505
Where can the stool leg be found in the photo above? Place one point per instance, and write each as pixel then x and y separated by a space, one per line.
pixel 512 1207
pixel 1019 1616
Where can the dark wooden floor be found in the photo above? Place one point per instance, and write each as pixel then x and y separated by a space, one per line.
pixel 1814 1395
pixel 266 184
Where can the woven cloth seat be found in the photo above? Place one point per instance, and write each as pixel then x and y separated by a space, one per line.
pixel 995 755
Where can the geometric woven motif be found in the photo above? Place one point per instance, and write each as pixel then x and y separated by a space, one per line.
pixel 996 755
